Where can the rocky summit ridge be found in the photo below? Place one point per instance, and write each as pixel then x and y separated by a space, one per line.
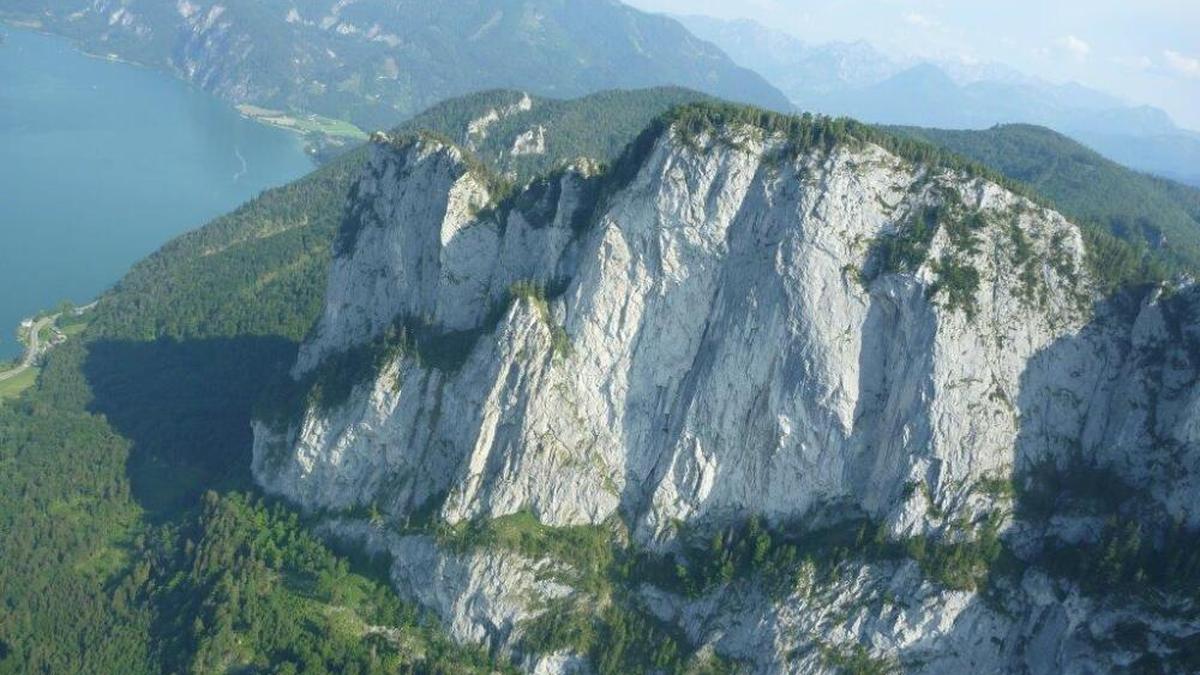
pixel 769 386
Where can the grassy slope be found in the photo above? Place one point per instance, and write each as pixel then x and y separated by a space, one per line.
pixel 13 387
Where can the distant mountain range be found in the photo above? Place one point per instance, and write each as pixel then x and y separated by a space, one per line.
pixel 377 62
pixel 857 80
pixel 803 71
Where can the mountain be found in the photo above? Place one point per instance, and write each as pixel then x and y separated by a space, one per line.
pixel 802 71
pixel 805 70
pixel 1140 137
pixel 857 80
pixel 1172 155
pixel 771 394
pixel 210 279
pixel 261 269
pixel 375 62
pixel 1069 107
pixel 136 540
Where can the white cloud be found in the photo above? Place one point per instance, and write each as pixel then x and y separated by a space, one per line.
pixel 1074 47
pixel 1184 65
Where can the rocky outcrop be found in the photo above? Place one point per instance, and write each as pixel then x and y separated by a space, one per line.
pixel 477 129
pixel 726 324
pixel 1123 391
pixel 532 142
pixel 1038 626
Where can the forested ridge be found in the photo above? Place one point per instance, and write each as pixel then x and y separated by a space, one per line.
pixel 133 538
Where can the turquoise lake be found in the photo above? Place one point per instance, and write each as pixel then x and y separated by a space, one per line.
pixel 103 162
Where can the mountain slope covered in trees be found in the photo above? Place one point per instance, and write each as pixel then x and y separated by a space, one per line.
pixel 130 544
pixel 376 62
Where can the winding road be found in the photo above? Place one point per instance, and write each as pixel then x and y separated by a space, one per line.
pixel 32 351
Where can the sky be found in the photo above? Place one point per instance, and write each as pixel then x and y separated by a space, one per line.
pixel 1144 51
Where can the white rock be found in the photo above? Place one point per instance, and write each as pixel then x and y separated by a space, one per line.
pixel 532 142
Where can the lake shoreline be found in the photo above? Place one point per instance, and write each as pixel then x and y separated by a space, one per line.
pixel 18 375
pixel 89 196
pixel 324 146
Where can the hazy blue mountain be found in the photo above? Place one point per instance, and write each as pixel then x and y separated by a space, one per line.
pixel 926 94
pixel 1172 155
pixel 1141 137
pixel 859 81
pixel 801 70
pixel 376 62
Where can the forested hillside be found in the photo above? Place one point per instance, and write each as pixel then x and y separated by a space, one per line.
pixel 375 62
pixel 129 547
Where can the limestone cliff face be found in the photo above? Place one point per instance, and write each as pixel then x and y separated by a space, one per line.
pixel 726 354
pixel 730 328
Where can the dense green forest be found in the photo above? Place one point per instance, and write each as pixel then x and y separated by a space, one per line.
pixel 134 540
pixel 131 546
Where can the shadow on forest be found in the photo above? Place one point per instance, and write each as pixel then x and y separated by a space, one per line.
pixel 186 408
